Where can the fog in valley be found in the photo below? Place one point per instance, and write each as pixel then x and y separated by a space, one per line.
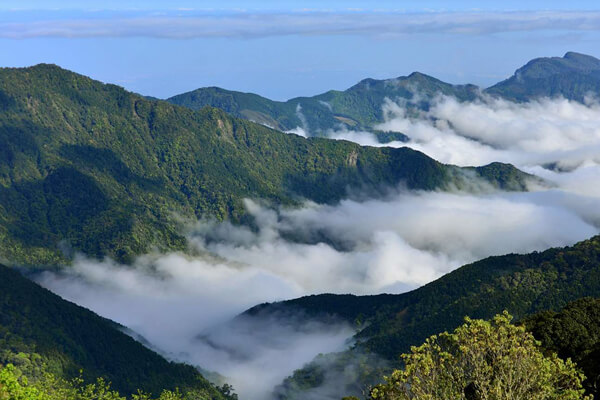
pixel 182 304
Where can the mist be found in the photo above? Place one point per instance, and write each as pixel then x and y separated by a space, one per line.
pixel 183 304
pixel 556 133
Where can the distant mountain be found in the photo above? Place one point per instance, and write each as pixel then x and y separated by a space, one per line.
pixel 39 331
pixel 360 107
pixel 573 77
pixel 521 284
pixel 93 168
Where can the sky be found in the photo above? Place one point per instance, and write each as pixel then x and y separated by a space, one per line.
pixel 283 49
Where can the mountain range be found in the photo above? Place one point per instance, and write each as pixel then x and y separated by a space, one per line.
pixel 573 77
pixel 91 168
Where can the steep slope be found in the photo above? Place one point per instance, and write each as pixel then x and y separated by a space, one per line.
pixel 521 284
pixel 90 167
pixel 573 77
pixel 359 106
pixel 37 327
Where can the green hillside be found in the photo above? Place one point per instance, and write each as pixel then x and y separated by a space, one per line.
pixel 358 107
pixel 93 168
pixel 521 284
pixel 573 77
pixel 573 332
pixel 40 332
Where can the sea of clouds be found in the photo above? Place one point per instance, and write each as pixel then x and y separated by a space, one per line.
pixel 181 303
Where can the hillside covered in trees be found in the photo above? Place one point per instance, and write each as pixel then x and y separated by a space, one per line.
pixel 40 334
pixel 93 168
pixel 522 284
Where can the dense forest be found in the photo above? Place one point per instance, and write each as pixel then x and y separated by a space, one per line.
pixel 42 334
pixel 92 168
pixel 390 324
pixel 573 332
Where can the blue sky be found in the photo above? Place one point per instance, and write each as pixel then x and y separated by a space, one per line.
pixel 284 48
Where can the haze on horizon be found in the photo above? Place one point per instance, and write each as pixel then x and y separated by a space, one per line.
pixel 284 49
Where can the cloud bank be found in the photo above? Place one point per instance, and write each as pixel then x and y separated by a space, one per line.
pixel 180 304
pixel 187 24
pixel 556 139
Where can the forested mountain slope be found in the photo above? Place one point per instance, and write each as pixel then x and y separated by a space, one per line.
pixel 39 332
pixel 573 332
pixel 358 107
pixel 573 77
pixel 522 284
pixel 90 167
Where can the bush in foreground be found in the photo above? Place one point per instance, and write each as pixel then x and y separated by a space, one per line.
pixel 482 360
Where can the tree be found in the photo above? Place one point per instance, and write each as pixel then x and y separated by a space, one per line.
pixel 482 360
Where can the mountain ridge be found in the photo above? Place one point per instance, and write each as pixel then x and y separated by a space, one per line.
pixel 89 167
pixel 389 324
pixel 572 76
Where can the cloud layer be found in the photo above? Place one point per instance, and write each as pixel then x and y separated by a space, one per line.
pixel 186 24
pixel 181 303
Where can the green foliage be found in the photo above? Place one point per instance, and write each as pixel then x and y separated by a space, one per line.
pixel 482 360
pixel 41 333
pixel 358 107
pixel 15 386
pixel 332 374
pixel 93 168
pixel 524 284
pixel 573 332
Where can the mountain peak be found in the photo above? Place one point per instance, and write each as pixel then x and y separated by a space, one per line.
pixel 582 61
pixel 578 56
pixel 572 76
pixel 417 74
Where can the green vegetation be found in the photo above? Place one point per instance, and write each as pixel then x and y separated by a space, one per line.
pixel 391 324
pixel 573 333
pixel 482 360
pixel 14 385
pixel 42 334
pixel 573 77
pixel 359 107
pixel 90 167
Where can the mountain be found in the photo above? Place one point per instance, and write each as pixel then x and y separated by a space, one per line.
pixel 89 167
pixel 573 77
pixel 359 107
pixel 522 284
pixel 40 331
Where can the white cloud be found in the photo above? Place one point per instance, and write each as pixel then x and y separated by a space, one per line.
pixel 174 25
pixel 391 244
